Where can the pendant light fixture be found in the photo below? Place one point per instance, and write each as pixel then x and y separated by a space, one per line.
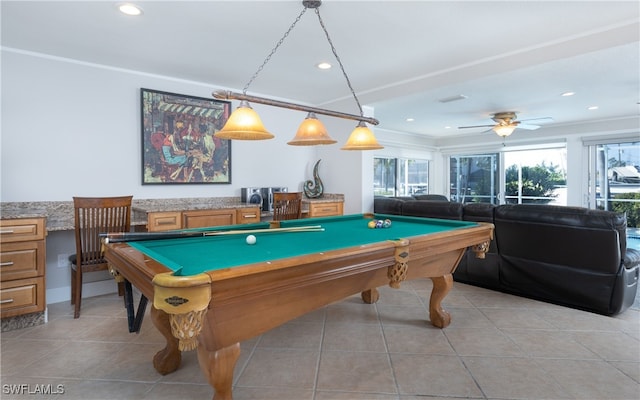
pixel 245 124
pixel 504 130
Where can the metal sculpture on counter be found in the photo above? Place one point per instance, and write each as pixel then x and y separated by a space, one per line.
pixel 314 189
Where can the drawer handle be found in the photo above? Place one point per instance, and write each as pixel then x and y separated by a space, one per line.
pixel 165 223
pixel 250 215
pixel 327 209
pixel 6 301
pixel 8 232
pixel 6 264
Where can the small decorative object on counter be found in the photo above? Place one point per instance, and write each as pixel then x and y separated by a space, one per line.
pixel 314 189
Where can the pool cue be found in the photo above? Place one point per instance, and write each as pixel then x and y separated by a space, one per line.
pixel 117 237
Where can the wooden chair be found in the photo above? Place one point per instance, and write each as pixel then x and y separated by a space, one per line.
pixel 287 205
pixel 93 216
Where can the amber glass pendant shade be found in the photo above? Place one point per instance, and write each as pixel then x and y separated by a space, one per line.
pixel 244 124
pixel 311 132
pixel 362 139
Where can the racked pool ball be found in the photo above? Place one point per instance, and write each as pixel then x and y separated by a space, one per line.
pixel 372 224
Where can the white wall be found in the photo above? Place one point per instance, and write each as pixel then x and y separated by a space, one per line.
pixel 74 129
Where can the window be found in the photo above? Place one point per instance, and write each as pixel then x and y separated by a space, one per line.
pixel 528 176
pixel 614 179
pixel 536 176
pixel 474 178
pixel 400 176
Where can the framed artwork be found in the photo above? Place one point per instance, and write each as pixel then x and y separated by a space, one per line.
pixel 178 146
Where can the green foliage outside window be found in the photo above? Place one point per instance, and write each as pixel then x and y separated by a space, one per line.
pixel 538 183
pixel 631 208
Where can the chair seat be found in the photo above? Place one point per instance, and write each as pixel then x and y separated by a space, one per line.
pixel 91 266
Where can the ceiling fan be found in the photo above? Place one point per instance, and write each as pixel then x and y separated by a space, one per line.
pixel 506 123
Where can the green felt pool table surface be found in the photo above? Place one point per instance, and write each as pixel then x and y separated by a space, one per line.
pixel 190 256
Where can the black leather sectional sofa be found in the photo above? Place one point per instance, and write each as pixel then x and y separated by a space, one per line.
pixel 570 256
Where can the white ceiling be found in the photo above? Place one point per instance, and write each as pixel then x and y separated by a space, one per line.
pixel 402 57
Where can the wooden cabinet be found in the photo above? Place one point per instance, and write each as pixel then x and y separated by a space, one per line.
pixel 22 266
pixel 163 221
pixel 204 218
pixel 325 209
pixel 249 215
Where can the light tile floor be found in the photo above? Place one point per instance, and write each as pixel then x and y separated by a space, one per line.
pixel 498 346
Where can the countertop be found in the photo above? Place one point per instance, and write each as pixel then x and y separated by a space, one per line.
pixel 59 214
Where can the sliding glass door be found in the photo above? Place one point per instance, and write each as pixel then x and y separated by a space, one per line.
pixel 511 177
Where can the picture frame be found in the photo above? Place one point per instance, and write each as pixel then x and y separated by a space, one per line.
pixel 178 142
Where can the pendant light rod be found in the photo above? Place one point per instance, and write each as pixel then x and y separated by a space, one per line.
pixel 229 95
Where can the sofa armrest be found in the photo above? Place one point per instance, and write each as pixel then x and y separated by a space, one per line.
pixel 631 258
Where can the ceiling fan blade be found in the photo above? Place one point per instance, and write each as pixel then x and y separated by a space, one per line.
pixel 528 127
pixel 477 126
pixel 538 120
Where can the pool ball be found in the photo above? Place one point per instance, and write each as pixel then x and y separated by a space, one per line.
pixel 372 224
pixel 251 239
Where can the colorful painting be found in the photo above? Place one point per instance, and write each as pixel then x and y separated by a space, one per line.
pixel 178 142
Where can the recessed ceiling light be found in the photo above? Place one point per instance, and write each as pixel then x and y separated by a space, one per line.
pixel 324 65
pixel 129 9
pixel 592 108
pixel 447 127
pixel 567 94
pixel 410 120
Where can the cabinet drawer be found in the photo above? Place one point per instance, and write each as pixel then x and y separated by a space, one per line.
pixel 22 260
pixel 21 296
pixel 164 221
pixel 325 209
pixel 21 230
pixel 205 218
pixel 248 215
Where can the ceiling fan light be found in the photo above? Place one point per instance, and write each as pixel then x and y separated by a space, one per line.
pixel 362 139
pixel 311 132
pixel 504 130
pixel 244 124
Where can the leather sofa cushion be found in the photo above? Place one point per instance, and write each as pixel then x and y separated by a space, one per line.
pixel 478 212
pixel 431 197
pixel 433 209
pixel 560 236
pixel 387 205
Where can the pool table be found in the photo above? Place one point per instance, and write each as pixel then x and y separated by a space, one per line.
pixel 213 292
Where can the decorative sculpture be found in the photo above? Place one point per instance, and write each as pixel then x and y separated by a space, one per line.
pixel 314 189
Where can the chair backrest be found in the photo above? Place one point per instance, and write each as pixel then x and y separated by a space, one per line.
pixel 287 205
pixel 96 215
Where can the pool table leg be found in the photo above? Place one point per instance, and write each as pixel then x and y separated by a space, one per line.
pixel 370 296
pixel 441 286
pixel 218 368
pixel 168 359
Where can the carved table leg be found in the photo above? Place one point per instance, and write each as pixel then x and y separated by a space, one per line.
pixel 441 286
pixel 168 359
pixel 370 296
pixel 218 368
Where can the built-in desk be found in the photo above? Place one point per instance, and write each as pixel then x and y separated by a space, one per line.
pixel 168 214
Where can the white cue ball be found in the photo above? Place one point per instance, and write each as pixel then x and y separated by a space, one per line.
pixel 251 239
